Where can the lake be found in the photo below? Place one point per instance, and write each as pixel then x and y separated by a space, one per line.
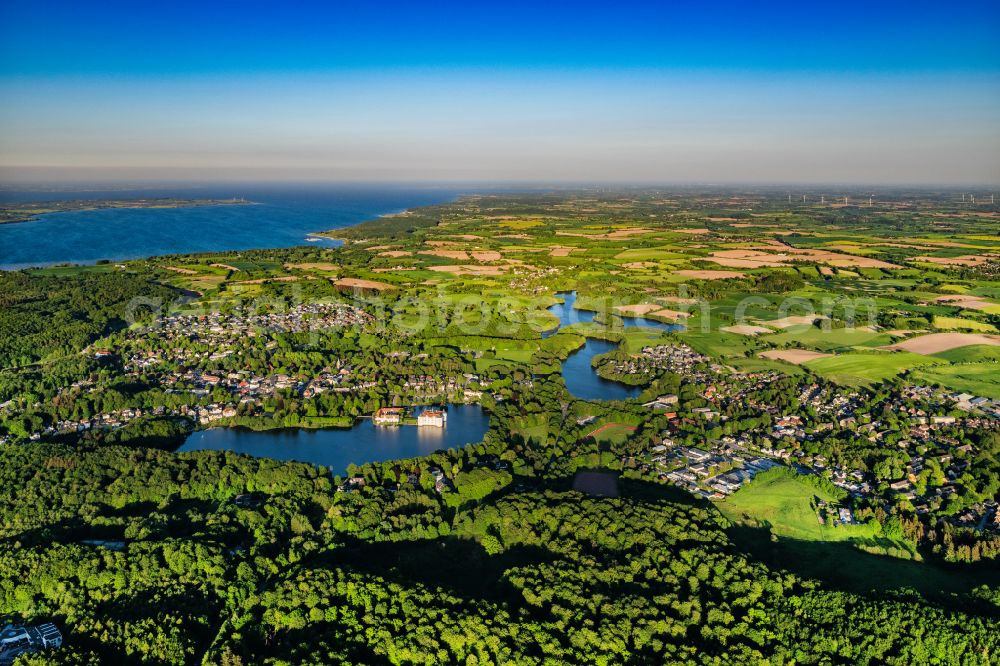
pixel 567 312
pixel 584 383
pixel 578 370
pixel 336 448
pixel 280 216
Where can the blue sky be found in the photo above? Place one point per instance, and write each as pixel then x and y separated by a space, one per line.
pixel 671 92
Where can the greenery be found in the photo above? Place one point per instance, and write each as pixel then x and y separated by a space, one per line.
pixel 484 554
pixel 43 317
pixel 787 503
pixel 529 577
pixel 975 378
pixel 854 368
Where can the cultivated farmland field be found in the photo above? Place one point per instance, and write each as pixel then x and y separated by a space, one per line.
pixel 814 337
pixel 856 369
pixel 963 324
pixel 982 379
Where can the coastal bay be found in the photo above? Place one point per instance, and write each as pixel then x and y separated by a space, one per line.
pixel 280 216
pixel 30 211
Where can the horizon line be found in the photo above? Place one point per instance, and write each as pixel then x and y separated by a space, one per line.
pixel 137 181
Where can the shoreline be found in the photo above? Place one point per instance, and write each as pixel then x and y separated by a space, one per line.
pixel 309 239
pixel 57 207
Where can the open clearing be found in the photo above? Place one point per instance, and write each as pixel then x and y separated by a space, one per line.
pixel 611 432
pixel 618 234
pixel 280 278
pixel 716 343
pixel 678 299
pixel 784 503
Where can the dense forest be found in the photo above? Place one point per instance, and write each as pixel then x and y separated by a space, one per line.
pixel 48 316
pixel 148 558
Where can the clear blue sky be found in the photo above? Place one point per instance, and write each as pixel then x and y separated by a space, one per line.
pixel 769 91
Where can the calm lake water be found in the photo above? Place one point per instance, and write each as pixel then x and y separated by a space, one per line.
pixel 584 383
pixel 336 448
pixel 567 312
pixel 578 371
pixel 281 216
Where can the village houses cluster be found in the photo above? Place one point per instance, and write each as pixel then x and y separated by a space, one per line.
pixel 724 465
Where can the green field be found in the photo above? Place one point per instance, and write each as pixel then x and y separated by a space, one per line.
pixel 862 369
pixel 784 504
pixel 649 254
pixel 537 433
pixel 812 337
pixel 782 501
pixel 483 364
pixel 638 337
pixel 763 365
pixel 483 343
pixel 717 344
pixel 843 566
pixel 612 433
pixel 953 323
pixel 970 354
pixel 66 271
pixel 982 379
